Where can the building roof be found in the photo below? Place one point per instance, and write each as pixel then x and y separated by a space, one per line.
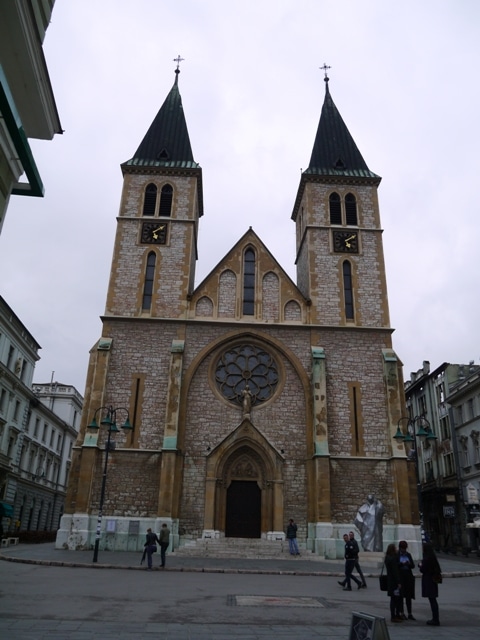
pixel 334 151
pixel 166 143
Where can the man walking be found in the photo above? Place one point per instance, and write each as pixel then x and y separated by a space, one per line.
pixel 357 568
pixel 164 542
pixel 349 565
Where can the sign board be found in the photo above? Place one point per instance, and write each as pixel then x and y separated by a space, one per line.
pixel 448 511
pixel 472 494
pixel 134 527
pixel 111 526
pixel 367 627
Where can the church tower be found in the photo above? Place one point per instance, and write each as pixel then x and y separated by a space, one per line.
pixel 153 267
pixel 248 399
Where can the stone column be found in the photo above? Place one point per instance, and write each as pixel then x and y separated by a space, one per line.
pixel 169 449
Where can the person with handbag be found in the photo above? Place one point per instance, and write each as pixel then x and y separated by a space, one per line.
pixel 407 579
pixel 431 578
pixel 150 546
pixel 393 582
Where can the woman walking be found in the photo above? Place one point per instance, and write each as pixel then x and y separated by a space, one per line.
pixel 431 576
pixel 407 579
pixel 393 582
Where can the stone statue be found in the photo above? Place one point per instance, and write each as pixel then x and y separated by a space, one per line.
pixel 247 400
pixel 369 521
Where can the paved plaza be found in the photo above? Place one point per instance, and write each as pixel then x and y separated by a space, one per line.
pixel 48 593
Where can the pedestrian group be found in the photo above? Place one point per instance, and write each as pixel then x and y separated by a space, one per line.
pixel 399 565
pixel 150 546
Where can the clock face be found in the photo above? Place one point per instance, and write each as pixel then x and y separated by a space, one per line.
pixel 154 233
pixel 345 241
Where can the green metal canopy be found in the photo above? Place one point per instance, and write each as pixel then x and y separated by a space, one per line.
pixel 6 510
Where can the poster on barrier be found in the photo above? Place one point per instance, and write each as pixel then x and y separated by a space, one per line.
pixel 367 627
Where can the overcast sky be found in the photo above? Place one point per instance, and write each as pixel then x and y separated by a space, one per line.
pixel 404 76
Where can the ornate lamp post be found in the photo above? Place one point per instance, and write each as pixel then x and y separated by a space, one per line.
pixel 108 421
pixel 424 432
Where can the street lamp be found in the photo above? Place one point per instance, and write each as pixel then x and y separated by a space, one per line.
pixel 108 421
pixel 424 432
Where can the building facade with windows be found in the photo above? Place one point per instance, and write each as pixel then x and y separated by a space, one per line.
pixel 252 398
pixel 440 461
pixel 38 427
pixel 27 103
pixel 464 400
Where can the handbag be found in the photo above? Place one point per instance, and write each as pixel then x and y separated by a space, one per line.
pixel 383 579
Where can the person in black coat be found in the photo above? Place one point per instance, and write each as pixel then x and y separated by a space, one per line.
pixel 150 547
pixel 407 579
pixel 430 569
pixel 393 582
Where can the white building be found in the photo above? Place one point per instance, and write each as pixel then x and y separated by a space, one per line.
pixel 27 103
pixel 38 427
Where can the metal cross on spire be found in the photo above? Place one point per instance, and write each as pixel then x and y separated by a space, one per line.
pixel 178 59
pixel 324 68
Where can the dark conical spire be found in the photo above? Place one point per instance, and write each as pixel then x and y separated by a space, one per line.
pixel 166 143
pixel 334 151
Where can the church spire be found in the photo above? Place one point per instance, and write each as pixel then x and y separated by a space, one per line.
pixel 334 151
pixel 167 143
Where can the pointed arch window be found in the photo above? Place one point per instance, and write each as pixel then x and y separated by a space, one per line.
pixel 249 282
pixel 166 198
pixel 150 200
pixel 148 284
pixel 351 209
pixel 335 209
pixel 348 290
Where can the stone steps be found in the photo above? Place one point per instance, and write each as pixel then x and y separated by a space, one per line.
pixel 235 548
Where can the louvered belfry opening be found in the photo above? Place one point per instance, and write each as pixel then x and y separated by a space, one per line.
pixel 335 209
pixel 351 209
pixel 166 199
pixel 150 200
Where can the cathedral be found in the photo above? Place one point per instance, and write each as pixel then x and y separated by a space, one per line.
pixel 248 399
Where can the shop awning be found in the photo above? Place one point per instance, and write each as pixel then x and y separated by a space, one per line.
pixel 6 510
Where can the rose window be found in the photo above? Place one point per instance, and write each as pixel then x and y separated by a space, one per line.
pixel 246 365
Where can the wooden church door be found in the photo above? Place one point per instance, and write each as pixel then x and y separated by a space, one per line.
pixel 244 511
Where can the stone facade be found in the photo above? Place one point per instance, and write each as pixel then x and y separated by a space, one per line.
pixel 252 399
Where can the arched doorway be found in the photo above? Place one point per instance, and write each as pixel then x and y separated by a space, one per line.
pixel 244 485
pixel 244 510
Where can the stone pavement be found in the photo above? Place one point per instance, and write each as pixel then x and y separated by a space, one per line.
pixel 47 593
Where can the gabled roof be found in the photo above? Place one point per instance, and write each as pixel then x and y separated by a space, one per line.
pixel 249 237
pixel 334 151
pixel 166 143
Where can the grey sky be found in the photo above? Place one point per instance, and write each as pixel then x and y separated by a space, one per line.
pixel 403 76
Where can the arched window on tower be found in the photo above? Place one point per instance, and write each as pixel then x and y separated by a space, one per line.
pixel 351 209
pixel 166 198
pixel 148 284
pixel 249 282
pixel 150 200
pixel 335 209
pixel 348 290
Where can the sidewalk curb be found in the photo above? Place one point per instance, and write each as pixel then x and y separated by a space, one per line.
pixel 280 572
